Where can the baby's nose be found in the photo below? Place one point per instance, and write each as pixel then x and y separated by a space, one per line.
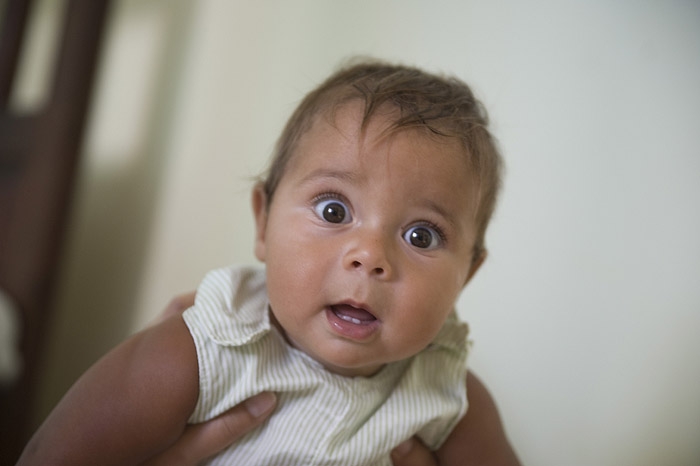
pixel 370 253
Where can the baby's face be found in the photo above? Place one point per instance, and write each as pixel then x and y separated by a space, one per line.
pixel 367 242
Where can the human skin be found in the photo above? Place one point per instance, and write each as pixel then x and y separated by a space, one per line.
pixel 134 403
pixel 201 441
pixel 368 240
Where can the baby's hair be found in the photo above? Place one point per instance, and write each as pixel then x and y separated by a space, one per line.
pixel 444 106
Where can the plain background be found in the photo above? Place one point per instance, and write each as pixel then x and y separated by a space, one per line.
pixel 585 317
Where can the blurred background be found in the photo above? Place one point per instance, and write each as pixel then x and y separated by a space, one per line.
pixel 585 318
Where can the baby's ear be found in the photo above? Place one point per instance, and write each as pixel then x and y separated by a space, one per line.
pixel 259 199
pixel 477 261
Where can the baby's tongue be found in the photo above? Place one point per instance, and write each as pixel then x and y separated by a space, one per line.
pixel 345 310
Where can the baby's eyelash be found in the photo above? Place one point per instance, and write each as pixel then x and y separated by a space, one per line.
pixel 328 195
pixel 434 226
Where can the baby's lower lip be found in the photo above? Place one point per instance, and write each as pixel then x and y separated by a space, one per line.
pixel 352 323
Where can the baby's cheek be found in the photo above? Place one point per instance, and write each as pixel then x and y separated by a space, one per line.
pixel 417 337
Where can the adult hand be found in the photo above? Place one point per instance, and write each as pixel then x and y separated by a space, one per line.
pixel 200 441
pixel 412 452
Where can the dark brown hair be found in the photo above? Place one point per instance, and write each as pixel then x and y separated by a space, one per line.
pixel 444 106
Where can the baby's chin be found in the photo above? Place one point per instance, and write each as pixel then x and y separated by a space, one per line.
pixel 339 359
pixel 352 371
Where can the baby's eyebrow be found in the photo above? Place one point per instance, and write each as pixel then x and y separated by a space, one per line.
pixel 323 173
pixel 442 212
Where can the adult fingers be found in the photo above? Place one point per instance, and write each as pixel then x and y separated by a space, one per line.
pixel 412 452
pixel 200 441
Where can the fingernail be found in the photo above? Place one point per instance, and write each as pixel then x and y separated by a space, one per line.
pixel 404 447
pixel 260 404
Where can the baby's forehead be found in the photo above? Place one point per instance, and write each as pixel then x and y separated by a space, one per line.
pixel 349 123
pixel 340 143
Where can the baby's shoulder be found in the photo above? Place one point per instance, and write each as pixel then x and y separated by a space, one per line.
pixel 230 305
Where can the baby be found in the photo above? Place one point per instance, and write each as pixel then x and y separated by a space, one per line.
pixel 370 222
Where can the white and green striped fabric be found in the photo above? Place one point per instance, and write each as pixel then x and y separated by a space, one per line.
pixel 322 418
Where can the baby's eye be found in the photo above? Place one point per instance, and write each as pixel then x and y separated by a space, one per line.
pixel 332 210
pixel 423 237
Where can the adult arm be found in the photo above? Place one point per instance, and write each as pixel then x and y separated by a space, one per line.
pixel 128 407
pixel 479 439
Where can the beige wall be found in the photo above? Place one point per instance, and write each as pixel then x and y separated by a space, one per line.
pixel 586 314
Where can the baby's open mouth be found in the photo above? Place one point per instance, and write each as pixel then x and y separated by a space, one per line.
pixel 355 315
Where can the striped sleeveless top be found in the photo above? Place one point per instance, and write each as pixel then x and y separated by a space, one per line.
pixel 321 418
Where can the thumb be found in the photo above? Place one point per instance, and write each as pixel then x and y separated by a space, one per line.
pixel 200 441
pixel 412 452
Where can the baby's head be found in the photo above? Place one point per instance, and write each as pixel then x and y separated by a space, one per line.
pixel 441 106
pixel 372 217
